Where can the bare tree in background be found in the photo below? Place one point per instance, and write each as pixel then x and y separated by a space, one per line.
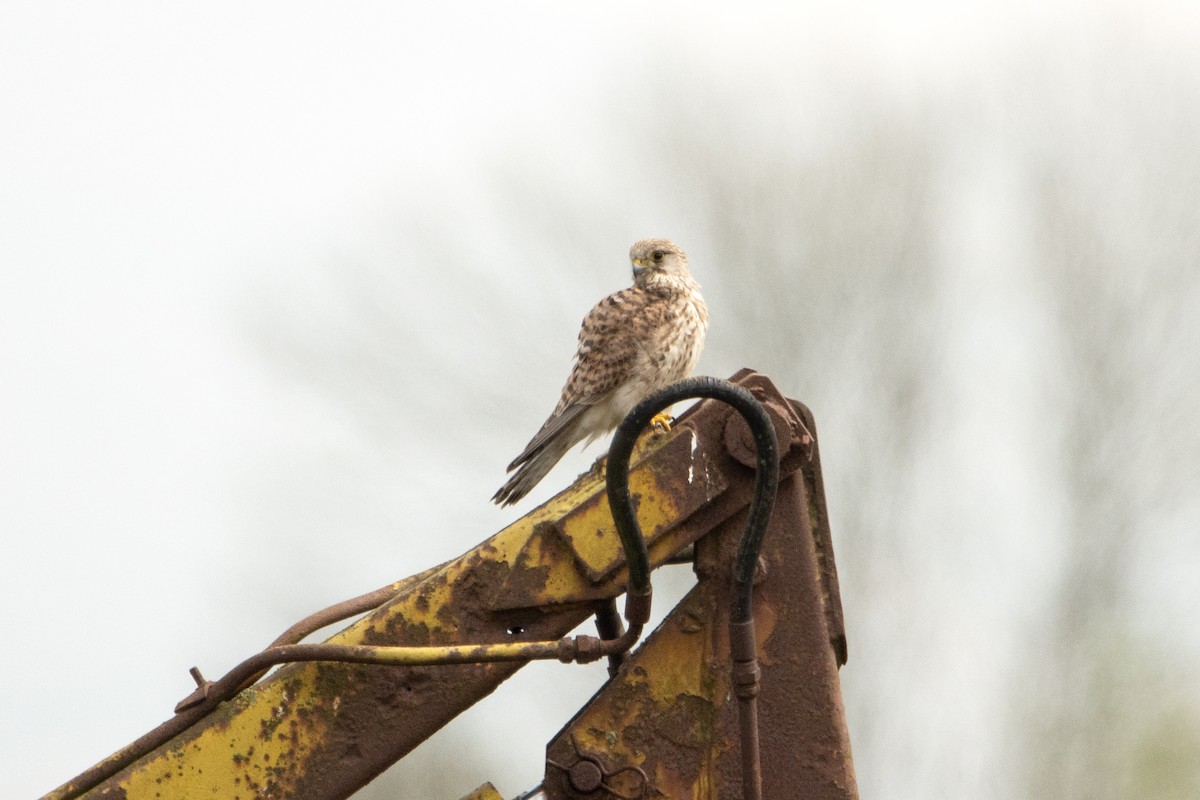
pixel 1116 238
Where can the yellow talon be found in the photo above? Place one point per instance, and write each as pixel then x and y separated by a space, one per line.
pixel 662 420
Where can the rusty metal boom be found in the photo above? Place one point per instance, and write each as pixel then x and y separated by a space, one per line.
pixel 761 631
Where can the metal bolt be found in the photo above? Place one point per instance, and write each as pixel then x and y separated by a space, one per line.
pixel 739 441
pixel 585 776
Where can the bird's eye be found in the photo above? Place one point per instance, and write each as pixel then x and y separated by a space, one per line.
pixel 657 255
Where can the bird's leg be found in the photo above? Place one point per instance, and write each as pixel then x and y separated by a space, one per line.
pixel 662 420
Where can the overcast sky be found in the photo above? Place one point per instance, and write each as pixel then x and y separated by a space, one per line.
pixel 169 172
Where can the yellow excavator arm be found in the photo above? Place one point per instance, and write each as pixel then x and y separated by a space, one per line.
pixel 671 720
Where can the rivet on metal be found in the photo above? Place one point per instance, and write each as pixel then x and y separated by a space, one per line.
pixel 585 776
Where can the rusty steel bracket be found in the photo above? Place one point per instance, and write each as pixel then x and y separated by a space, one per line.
pixel 745 671
pixel 323 730
pixel 666 716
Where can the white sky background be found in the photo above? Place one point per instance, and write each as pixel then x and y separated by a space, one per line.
pixel 165 171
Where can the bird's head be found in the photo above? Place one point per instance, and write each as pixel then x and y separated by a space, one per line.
pixel 655 257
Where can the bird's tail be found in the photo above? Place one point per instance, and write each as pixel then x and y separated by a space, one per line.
pixel 532 470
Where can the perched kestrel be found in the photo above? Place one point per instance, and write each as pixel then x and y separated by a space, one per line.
pixel 632 343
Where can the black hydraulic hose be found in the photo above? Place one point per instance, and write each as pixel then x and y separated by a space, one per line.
pixel 745 672
pixel 766 481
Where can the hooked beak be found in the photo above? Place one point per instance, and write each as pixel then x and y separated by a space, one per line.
pixel 639 266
